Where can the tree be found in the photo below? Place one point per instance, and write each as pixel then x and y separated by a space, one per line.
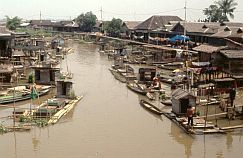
pixel 213 13
pixel 220 10
pixel 86 21
pixel 13 23
pixel 227 7
pixel 114 27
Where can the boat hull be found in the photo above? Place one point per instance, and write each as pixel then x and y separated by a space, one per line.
pixel 22 97
pixel 133 87
pixel 150 107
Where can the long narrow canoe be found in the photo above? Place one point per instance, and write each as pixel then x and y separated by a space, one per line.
pixel 118 75
pixel 150 107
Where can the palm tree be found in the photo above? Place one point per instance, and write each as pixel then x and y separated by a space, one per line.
pixel 227 7
pixel 213 13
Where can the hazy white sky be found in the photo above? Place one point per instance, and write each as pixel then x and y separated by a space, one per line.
pixel 124 9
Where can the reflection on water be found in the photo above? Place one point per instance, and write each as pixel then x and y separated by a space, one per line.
pixel 229 141
pixel 109 122
pixel 183 139
pixel 36 140
pixel 15 146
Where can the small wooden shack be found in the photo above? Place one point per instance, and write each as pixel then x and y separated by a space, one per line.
pixel 64 89
pixel 6 72
pixel 5 42
pixel 223 85
pixel 146 74
pixel 57 41
pixel 181 99
pixel 206 52
pixel 45 74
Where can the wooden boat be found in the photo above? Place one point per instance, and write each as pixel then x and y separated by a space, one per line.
pixel 150 96
pixel 117 75
pixel 20 95
pixel 123 74
pixel 150 107
pixel 167 102
pixel 136 88
pixel 171 66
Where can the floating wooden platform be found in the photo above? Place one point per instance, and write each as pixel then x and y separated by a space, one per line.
pixel 197 129
pixel 231 127
pixel 54 119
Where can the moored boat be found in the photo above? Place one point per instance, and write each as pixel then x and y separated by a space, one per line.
pixel 167 102
pixel 21 93
pixel 123 74
pixel 136 88
pixel 150 96
pixel 152 108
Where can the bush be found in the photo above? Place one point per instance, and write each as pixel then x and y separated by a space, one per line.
pixel 2 129
pixel 41 122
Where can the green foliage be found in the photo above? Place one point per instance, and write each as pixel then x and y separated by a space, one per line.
pixel 86 21
pixel 25 119
pixel 2 129
pixel 114 27
pixel 72 94
pixel 31 78
pixel 35 33
pixel 38 122
pixel 213 13
pixel 198 113
pixel 227 7
pixel 41 122
pixel 220 10
pixel 13 23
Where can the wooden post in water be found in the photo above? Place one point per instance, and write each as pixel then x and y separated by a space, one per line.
pixel 210 88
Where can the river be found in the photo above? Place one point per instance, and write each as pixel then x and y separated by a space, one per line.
pixel 110 123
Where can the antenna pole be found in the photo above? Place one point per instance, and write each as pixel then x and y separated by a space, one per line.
pixel 101 18
pixel 185 20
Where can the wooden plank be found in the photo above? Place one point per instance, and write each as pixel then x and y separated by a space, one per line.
pixel 238 106
pixel 219 114
pixel 64 111
pixel 231 127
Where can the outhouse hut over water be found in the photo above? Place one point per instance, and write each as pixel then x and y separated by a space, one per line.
pixel 64 88
pixel 181 99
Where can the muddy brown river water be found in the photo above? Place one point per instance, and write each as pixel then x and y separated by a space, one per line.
pixel 110 123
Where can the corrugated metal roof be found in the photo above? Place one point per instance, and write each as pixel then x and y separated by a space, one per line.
pixel 131 24
pixel 4 31
pixel 208 48
pixel 232 54
pixel 180 93
pixel 157 22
